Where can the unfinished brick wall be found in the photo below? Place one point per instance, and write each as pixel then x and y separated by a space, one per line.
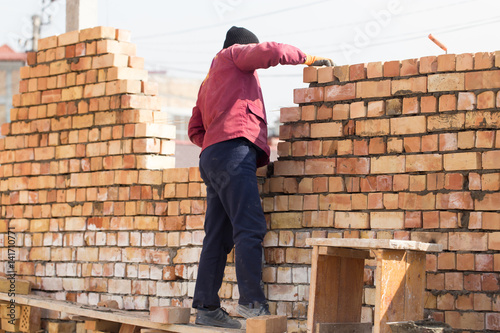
pixel 404 150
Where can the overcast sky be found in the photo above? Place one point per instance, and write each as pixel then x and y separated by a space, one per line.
pixel 182 37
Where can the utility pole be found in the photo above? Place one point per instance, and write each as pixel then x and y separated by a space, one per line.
pixel 80 14
pixel 37 23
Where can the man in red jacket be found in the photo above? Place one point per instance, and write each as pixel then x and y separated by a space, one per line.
pixel 229 124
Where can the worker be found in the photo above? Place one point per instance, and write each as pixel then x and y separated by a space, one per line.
pixel 229 124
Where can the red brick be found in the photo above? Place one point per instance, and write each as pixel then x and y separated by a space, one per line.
pixel 370 89
pixel 465 62
pixel 428 64
pixel 409 67
pixel 428 104
pixel 290 114
pixel 391 68
pixel 409 86
pixel 408 125
pixel 482 80
pixel 483 60
pixel 387 220
pixel 466 101
pixel 468 241
pixel 446 63
pixel 354 220
pixel 326 130
pixel 325 112
pixel 310 74
pixel 341 73
pixel 462 161
pixel 338 92
pixel 353 166
pixel 307 95
pixel 357 72
pixel 465 262
pixel 446 82
pixel 448 142
pixel 388 164
pixel 374 70
pixel 372 127
pixel 465 320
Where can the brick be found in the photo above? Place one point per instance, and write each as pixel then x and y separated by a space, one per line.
pixel 370 89
pixel 490 159
pixel 325 74
pixel 374 70
pixel 353 165
pixel 110 60
pixel 482 80
pixel 466 101
pixel 462 161
pixel 357 110
pixel 326 130
pixel 357 72
pixel 47 43
pixel 391 68
pixel 468 241
pixel 97 33
pixel 494 241
pixel 68 38
pixel 414 201
pixel 424 162
pixel 409 67
pixel 289 168
pixel 387 220
pixel 310 74
pixel 387 164
pixel 465 320
pixel 169 315
pixel 428 64
pixel 464 62
pixel 372 127
pixel 483 60
pixel 408 125
pixel 446 122
pixel 446 63
pixel 307 95
pixel 341 73
pixel 409 86
pixel 339 92
pixel 446 82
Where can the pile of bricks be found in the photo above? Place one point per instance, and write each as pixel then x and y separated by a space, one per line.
pixel 403 149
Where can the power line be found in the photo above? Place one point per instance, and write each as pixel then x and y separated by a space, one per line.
pixel 178 32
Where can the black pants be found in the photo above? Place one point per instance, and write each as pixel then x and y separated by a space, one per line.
pixel 234 217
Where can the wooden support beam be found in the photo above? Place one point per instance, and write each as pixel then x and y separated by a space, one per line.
pixel 336 288
pixel 400 280
pixel 121 316
pixel 267 324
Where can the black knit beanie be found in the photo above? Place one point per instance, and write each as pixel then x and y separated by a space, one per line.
pixel 237 35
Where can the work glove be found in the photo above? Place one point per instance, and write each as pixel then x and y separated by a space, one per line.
pixel 318 61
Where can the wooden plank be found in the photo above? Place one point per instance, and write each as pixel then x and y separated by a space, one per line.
pixel 390 291
pixel 267 324
pixel 121 316
pixel 350 294
pixel 344 328
pixel 323 289
pixel 345 252
pixel 388 244
pixel 415 285
pixel 19 287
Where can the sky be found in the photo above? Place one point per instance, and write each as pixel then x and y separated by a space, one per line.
pixel 181 37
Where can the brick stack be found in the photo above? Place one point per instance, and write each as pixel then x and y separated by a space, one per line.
pixel 81 170
pixel 405 150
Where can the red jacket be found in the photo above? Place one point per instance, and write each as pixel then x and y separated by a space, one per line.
pixel 230 103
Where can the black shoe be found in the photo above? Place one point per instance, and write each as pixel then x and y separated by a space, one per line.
pixel 217 318
pixel 254 309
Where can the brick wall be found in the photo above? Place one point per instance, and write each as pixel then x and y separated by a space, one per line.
pixel 404 150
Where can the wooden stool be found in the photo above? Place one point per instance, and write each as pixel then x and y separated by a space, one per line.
pixel 337 271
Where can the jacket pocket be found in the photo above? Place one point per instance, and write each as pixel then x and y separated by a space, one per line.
pixel 257 111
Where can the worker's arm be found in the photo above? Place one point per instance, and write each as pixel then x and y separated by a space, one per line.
pixel 196 130
pixel 250 57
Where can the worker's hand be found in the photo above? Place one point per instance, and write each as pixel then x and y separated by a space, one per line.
pixel 318 61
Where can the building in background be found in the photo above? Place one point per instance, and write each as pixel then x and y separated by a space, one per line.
pixel 10 63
